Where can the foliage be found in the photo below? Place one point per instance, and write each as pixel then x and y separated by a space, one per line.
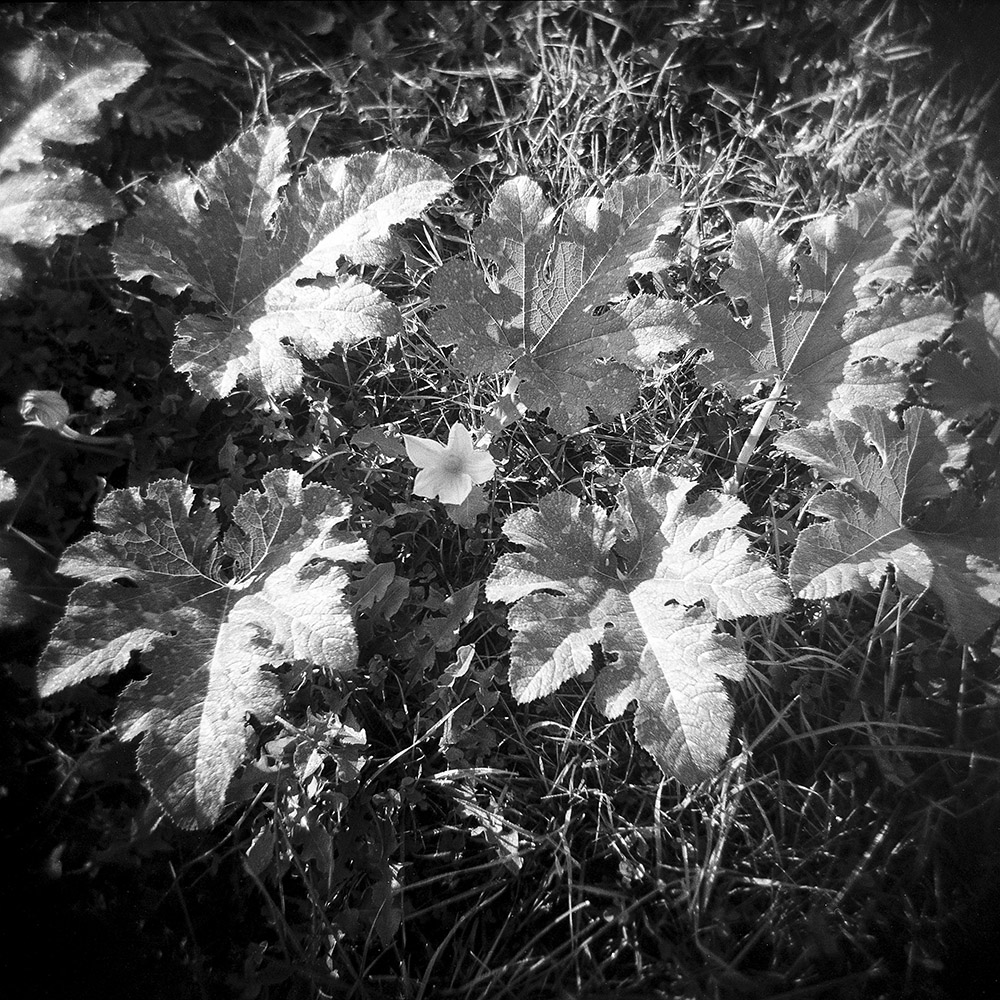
pixel 820 332
pixel 554 304
pixel 51 98
pixel 150 114
pixel 879 516
pixel 12 599
pixel 647 585
pixel 208 613
pixel 966 384
pixel 55 87
pixel 411 824
pixel 260 260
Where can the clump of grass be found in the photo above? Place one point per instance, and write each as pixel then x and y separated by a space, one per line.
pixel 896 120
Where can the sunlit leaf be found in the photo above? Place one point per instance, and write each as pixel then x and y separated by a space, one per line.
pixel 821 328
pixel 210 616
pixel 555 302
pixel 647 584
pixel 880 516
pixel 260 252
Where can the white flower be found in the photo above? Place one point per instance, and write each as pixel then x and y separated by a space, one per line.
pixel 448 471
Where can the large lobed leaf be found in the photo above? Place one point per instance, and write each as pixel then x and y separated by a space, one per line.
pixel 53 89
pixel 555 300
pixel 159 582
pixel 51 92
pixel 968 384
pixel 648 583
pixel 879 516
pixel 821 329
pixel 253 255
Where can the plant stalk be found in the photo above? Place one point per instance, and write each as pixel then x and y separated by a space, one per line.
pixel 753 438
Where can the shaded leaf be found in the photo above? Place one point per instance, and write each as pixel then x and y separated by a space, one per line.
pixel 264 263
pixel 466 513
pixel 554 303
pixel 157 583
pixel 29 590
pixel 968 384
pixel 881 515
pixel 458 609
pixel 373 585
pixel 648 584
pixel 30 593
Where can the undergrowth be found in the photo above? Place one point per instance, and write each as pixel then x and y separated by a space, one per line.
pixel 469 846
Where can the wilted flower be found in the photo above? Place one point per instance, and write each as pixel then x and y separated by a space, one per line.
pixel 44 408
pixel 448 471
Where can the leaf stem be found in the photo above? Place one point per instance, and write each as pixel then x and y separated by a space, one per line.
pixel 96 441
pixel 753 438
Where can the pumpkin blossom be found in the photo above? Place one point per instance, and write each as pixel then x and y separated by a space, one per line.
pixel 44 408
pixel 448 471
pixel 47 408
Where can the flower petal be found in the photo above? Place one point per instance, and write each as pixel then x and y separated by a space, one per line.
pixel 456 489
pixel 423 452
pixel 429 482
pixel 446 486
pixel 480 466
pixel 460 440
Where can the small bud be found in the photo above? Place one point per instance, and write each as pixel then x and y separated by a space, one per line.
pixel 44 408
